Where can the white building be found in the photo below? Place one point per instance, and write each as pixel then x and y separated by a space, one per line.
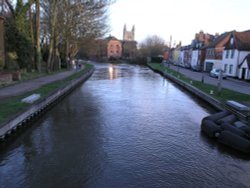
pixel 181 62
pixel 235 56
pixel 244 68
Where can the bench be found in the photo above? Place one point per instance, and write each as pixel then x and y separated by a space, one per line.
pixel 32 98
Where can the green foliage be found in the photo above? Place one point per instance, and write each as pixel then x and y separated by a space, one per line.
pixel 1 64
pixel 14 105
pixel 18 43
pixel 17 37
pixel 12 61
pixel 12 56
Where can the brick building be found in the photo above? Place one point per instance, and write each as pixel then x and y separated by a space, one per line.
pixel 214 52
pixel 204 38
pixel 114 48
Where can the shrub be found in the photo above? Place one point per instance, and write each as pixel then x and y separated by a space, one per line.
pixel 19 46
pixel 11 63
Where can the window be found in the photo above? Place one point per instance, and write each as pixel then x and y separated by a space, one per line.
pixel 225 68
pixel 232 41
pixel 230 69
pixel 111 51
pixel 227 53
pixel 232 54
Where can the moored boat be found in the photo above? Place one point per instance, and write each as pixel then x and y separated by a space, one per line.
pixel 227 129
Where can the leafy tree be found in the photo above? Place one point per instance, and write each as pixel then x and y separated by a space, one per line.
pixel 17 33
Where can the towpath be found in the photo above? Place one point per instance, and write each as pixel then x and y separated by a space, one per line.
pixel 23 87
pixel 229 83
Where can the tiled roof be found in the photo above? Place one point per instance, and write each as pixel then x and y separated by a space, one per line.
pixel 242 40
pixel 218 39
pixel 188 47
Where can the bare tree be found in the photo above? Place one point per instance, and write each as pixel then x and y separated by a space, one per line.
pixel 70 23
pixel 152 46
pixel 7 6
pixel 60 27
pixel 52 23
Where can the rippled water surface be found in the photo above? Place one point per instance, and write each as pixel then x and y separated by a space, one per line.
pixel 125 127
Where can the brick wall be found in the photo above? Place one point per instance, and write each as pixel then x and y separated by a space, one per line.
pixel 114 48
pixel 5 78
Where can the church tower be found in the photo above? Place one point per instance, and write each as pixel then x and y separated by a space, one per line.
pixel 128 35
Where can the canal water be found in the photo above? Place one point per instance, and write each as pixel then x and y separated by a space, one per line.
pixel 125 127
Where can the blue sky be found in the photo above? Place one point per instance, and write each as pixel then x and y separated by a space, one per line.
pixel 179 18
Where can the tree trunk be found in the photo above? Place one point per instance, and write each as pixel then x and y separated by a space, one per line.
pixel 53 14
pixel 38 48
pixel 32 36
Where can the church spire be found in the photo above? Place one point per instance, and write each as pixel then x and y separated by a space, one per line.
pixel 124 31
pixel 125 27
pixel 128 35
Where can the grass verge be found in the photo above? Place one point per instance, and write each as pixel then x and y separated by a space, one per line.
pixel 223 96
pixel 14 105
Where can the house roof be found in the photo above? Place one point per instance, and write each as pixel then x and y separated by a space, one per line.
pixel 242 40
pixel 196 44
pixel 218 39
pixel 188 47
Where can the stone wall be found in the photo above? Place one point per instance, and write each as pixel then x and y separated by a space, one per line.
pixel 5 78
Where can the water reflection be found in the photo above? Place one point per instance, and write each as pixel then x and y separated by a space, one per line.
pixel 112 72
pixel 136 131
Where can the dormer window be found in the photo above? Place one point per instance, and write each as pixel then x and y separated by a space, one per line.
pixel 232 41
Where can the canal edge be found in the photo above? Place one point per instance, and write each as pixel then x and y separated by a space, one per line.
pixel 37 109
pixel 212 101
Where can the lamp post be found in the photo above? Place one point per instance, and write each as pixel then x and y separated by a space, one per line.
pixel 202 78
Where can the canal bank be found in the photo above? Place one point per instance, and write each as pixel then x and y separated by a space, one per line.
pixel 116 131
pixel 214 102
pixel 187 84
pixel 59 90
